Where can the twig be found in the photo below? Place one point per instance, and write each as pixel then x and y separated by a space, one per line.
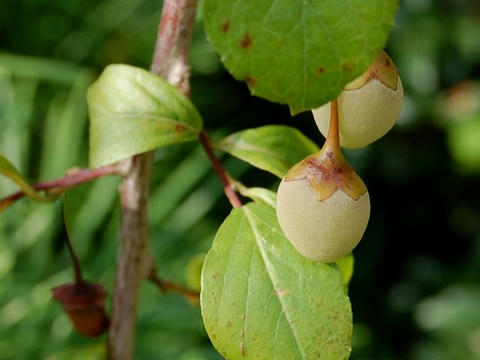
pixel 169 286
pixel 134 260
pixel 73 178
pixel 77 269
pixel 228 188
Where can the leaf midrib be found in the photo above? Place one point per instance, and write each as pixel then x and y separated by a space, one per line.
pixel 269 272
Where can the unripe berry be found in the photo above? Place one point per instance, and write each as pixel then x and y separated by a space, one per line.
pixel 323 208
pixel 368 107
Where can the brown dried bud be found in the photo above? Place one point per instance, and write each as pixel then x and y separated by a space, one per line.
pixel 85 305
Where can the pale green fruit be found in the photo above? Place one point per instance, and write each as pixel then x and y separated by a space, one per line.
pixel 368 107
pixel 323 206
pixel 323 230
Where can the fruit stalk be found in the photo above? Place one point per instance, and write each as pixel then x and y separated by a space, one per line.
pixel 333 139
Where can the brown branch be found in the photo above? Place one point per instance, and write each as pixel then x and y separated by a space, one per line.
pixel 134 260
pixel 228 188
pixel 165 286
pixel 73 178
pixel 170 58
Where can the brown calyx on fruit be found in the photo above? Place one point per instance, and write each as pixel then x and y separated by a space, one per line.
pixel 85 305
pixel 382 69
pixel 327 171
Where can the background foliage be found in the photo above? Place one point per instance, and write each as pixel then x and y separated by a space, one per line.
pixel 415 291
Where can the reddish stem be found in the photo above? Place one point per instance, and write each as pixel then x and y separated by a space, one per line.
pixel 333 141
pixel 76 264
pixel 75 178
pixel 217 166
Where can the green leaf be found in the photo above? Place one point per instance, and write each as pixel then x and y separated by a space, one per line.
pixel 261 299
pixel 301 53
pixel 346 266
pixel 274 148
pixel 7 169
pixel 133 111
pixel 258 194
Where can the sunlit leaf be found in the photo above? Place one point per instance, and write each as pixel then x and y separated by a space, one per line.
pixel 261 299
pixel 274 148
pixel 133 111
pixel 300 53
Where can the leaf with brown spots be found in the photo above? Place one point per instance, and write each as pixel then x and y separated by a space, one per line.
pixel 271 302
pixel 287 45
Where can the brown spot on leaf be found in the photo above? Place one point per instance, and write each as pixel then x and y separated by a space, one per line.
pixel 229 323
pixel 388 62
pixel 242 349
pixel 251 80
pixel 226 26
pixel 320 70
pixel 347 66
pixel 180 129
pixel 246 41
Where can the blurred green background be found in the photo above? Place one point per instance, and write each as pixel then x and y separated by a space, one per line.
pixel 416 288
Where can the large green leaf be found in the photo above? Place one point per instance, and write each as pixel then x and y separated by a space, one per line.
pixel 274 148
pixel 298 52
pixel 7 169
pixel 133 111
pixel 261 299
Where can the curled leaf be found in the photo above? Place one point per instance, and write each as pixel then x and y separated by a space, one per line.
pixel 7 169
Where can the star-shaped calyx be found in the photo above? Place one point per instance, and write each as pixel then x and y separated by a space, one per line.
pixel 328 171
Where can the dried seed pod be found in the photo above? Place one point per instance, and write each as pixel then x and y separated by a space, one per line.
pixel 369 105
pixel 84 304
